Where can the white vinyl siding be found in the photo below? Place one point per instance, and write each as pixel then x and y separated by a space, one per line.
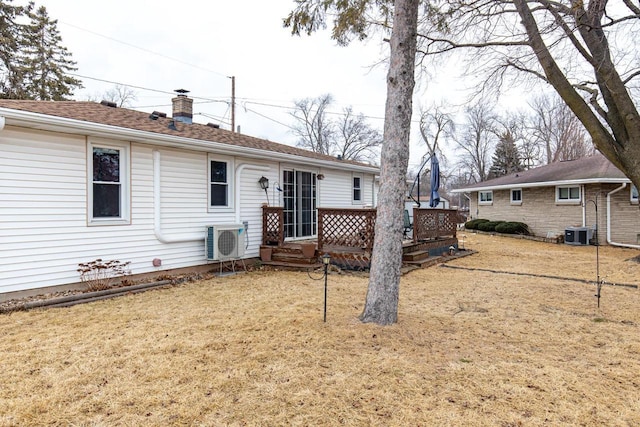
pixel 335 190
pixel 44 207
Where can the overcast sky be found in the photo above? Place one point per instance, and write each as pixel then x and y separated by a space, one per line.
pixel 197 45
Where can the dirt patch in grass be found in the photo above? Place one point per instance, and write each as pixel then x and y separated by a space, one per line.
pixel 471 348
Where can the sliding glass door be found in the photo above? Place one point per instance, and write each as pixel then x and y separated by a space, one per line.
pixel 299 198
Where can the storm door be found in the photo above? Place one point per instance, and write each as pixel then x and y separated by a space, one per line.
pixel 299 199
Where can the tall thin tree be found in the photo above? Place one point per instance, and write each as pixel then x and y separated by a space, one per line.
pixel 48 63
pixel 12 60
pixel 354 19
pixel 383 293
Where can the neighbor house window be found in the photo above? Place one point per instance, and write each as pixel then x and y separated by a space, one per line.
pixel 357 189
pixel 634 194
pixel 485 197
pixel 220 182
pixel 109 183
pixel 516 196
pixel 568 194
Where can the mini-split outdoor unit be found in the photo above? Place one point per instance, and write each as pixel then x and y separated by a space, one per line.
pixel 225 241
pixel 578 235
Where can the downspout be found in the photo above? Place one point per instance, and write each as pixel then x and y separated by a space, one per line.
pixel 2 122
pixel 609 241
pixel 157 223
pixel 584 206
pixel 468 197
pixel 239 171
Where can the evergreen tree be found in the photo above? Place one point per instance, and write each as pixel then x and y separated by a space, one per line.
pixel 33 63
pixel 48 62
pixel 12 64
pixel 506 158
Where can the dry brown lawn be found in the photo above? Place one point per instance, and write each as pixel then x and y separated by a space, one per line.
pixel 471 348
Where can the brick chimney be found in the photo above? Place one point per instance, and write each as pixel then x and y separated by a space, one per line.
pixel 182 107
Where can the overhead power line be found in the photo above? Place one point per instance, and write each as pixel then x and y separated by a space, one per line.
pixel 144 88
pixel 144 49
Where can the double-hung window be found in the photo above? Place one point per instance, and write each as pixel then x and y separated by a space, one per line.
pixel 220 182
pixel 516 196
pixel 634 194
pixel 108 190
pixel 568 194
pixel 485 197
pixel 357 189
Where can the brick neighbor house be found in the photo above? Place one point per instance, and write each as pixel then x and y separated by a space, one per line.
pixel 563 197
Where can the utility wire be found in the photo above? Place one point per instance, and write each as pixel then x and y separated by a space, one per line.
pixel 145 49
pixel 268 118
pixel 205 100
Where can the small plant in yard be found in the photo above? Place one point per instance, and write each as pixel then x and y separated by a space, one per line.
pixel 512 227
pixel 489 225
pixel 473 224
pixel 98 274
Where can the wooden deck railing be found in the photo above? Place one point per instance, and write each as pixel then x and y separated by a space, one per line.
pixel 434 223
pixel 354 228
pixel 346 228
pixel 272 225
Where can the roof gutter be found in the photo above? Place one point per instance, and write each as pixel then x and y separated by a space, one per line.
pixel 543 184
pixel 61 124
pixel 609 241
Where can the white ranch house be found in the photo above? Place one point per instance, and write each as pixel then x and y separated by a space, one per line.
pixel 81 181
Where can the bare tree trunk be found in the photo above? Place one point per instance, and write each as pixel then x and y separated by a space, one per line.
pixel 620 145
pixel 381 305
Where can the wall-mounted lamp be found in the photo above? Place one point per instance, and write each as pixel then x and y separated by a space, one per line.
pixel 264 184
pixel 320 176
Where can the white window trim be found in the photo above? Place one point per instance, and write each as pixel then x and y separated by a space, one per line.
pixel 485 202
pixel 568 201
pixel 633 200
pixel 230 183
pixel 515 202
pixel 125 182
pixel 353 188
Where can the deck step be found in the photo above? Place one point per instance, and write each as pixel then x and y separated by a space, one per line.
pixel 294 266
pixel 292 258
pixel 427 262
pixel 415 256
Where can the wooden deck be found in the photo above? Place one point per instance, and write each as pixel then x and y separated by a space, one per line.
pixel 291 254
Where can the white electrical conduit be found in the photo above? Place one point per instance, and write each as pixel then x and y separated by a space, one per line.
pixel 239 171
pixel 157 220
pixel 624 245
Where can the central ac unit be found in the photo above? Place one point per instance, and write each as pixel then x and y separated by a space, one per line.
pixel 578 235
pixel 225 241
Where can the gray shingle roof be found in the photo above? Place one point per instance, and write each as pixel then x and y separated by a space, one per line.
pixel 594 168
pixel 93 112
